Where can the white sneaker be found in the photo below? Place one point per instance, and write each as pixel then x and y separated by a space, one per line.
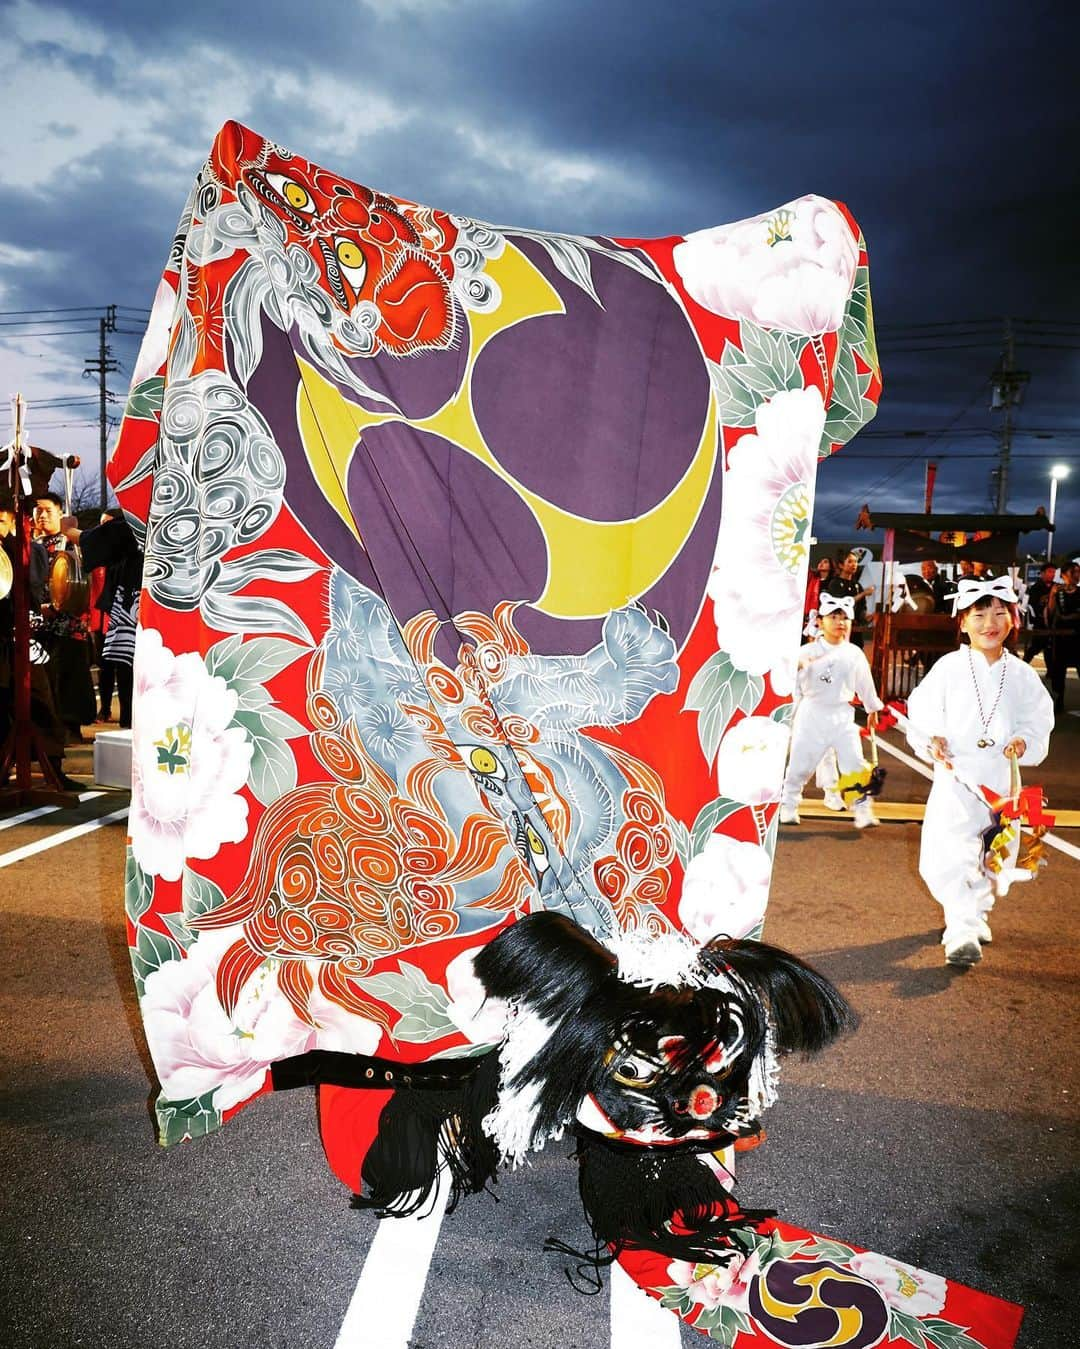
pixel 985 935
pixel 963 953
pixel 864 815
pixel 789 815
pixel 833 799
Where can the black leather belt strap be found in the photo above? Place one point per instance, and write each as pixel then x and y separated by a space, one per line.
pixel 331 1068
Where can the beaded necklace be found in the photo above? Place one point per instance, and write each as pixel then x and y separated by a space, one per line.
pixel 826 678
pixel 984 741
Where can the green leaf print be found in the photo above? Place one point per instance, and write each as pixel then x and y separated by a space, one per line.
pixel 178 1120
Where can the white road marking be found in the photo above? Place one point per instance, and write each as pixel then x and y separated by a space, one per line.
pixel 38 811
pixel 1069 849
pixel 387 1295
pixel 882 743
pixel 65 836
pixel 637 1320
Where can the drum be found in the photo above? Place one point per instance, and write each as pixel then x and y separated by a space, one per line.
pixel 922 596
pixel 69 591
pixel 7 576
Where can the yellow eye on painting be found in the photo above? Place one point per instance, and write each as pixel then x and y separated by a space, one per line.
pixel 536 843
pixel 298 197
pixel 352 262
pixel 349 254
pixel 483 761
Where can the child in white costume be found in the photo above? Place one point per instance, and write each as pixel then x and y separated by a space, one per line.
pixel 831 672
pixel 977 708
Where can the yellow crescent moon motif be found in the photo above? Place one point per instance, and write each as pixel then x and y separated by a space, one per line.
pixel 594 566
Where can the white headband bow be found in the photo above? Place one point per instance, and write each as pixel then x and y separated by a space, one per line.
pixel 828 604
pixel 969 592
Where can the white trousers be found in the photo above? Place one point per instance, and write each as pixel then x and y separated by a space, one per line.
pixel 814 731
pixel 950 857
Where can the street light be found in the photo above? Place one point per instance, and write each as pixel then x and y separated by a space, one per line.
pixel 1058 472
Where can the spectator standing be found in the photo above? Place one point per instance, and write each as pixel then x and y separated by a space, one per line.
pixel 939 586
pixel 844 582
pixel 112 545
pixel 98 620
pixel 42 710
pixel 1037 599
pixel 822 570
pixel 1063 613
pixel 65 637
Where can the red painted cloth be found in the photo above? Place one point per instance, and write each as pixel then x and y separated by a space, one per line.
pixel 800 1289
pixel 475 562
pixel 441 622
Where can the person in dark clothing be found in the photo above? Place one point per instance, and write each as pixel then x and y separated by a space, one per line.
pixel 844 581
pixel 42 708
pixel 1063 611
pixel 938 585
pixel 113 546
pixel 64 636
pixel 1038 596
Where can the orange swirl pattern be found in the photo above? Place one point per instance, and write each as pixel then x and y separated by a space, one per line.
pixel 636 878
pixel 346 872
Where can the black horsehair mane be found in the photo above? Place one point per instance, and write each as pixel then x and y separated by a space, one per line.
pixel 635 1196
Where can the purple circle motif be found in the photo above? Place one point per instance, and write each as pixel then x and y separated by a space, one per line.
pixel 598 410
pixel 806 1303
pixel 468 540
pixel 443 532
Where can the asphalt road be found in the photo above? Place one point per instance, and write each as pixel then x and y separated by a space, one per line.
pixel 944 1131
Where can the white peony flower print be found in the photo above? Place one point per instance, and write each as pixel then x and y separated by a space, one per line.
pixel 188 764
pixel 792 269
pixel 482 1020
pixel 750 761
pixel 904 1287
pixel 715 1285
pixel 197 1048
pixel 725 890
pixel 758 582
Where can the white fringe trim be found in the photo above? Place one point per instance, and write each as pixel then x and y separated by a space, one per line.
pixel 650 961
pixel 764 1076
pixel 510 1125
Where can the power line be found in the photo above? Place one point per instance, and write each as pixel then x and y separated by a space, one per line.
pixel 844 456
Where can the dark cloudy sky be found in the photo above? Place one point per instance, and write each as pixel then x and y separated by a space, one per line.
pixel 949 129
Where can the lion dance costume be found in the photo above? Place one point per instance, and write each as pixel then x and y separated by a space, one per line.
pixel 458 736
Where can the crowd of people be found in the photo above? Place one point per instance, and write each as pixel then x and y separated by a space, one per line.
pixel 978 713
pixel 91 628
pixel 1049 607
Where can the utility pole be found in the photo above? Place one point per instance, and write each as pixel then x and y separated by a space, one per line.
pixel 1008 390
pixel 103 366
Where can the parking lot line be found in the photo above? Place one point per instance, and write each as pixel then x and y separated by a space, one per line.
pixel 38 811
pixel 637 1320
pixel 387 1295
pixel 64 836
